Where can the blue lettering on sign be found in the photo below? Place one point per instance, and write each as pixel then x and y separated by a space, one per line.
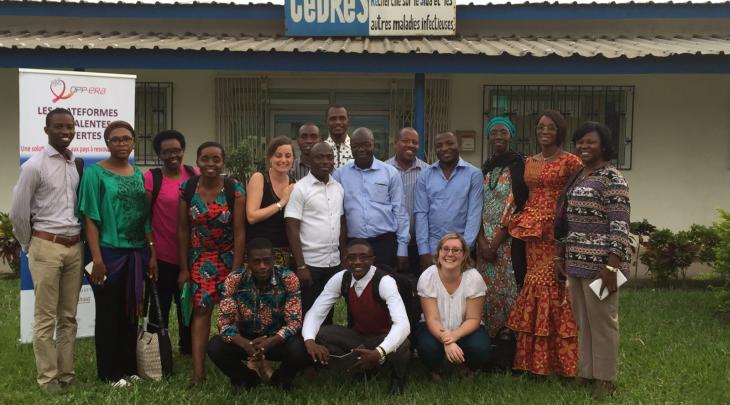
pixel 326 17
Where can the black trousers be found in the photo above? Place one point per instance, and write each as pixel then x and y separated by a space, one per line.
pixel 414 264
pixel 168 292
pixel 385 250
pixel 231 359
pixel 519 261
pixel 320 277
pixel 340 340
pixel 115 331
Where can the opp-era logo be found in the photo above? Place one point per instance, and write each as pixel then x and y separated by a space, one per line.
pixel 60 91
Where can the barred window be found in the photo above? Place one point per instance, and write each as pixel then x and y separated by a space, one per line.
pixel 610 105
pixel 152 114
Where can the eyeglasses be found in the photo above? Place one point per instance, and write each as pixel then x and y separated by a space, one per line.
pixel 360 257
pixel 550 128
pixel 171 152
pixel 119 140
pixel 446 250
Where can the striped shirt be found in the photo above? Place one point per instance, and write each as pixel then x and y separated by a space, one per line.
pixel 409 178
pixel 299 170
pixel 44 199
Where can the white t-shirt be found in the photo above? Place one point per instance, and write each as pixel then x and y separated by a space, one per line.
pixel 319 207
pixel 452 307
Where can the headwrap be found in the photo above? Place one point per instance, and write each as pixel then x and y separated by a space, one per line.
pixel 511 159
pixel 503 121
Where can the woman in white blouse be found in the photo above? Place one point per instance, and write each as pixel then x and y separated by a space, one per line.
pixel 452 296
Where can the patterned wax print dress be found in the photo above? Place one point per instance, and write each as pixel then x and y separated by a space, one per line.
pixel 211 245
pixel 542 315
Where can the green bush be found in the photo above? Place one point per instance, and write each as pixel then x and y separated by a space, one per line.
pixel 242 162
pixel 706 239
pixel 721 262
pixel 640 231
pixel 9 246
pixel 667 255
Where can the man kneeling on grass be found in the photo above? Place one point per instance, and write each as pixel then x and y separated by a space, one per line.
pixel 378 324
pixel 260 318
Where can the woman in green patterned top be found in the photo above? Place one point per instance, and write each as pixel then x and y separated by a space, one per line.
pixel 117 226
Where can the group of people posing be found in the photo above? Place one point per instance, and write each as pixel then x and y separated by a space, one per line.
pixel 502 254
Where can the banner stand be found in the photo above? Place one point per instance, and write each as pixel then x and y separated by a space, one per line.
pixel 95 100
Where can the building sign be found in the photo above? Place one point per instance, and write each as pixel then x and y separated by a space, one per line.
pixel 359 18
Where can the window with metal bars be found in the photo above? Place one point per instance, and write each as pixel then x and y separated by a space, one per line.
pixel 152 114
pixel 611 105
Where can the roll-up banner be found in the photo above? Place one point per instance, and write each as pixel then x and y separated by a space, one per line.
pixel 95 100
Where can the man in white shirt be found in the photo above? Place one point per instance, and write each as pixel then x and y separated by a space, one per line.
pixel 378 325
pixel 44 222
pixel 315 225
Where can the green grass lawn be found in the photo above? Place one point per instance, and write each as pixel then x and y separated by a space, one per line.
pixel 672 351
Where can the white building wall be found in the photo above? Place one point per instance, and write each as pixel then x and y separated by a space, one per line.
pixel 9 147
pixel 681 144
pixel 681 151
pixel 193 104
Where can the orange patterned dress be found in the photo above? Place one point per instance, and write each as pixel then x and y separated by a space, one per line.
pixel 542 316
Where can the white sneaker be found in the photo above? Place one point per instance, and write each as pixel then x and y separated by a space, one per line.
pixel 135 378
pixel 121 383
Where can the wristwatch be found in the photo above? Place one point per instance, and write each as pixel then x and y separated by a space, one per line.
pixel 381 351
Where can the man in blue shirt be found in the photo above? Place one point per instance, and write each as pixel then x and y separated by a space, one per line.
pixel 374 207
pixel 448 199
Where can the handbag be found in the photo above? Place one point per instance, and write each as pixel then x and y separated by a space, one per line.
pixel 154 350
pixel 186 303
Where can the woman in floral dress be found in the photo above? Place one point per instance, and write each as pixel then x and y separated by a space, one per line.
pixel 504 193
pixel 542 316
pixel 211 238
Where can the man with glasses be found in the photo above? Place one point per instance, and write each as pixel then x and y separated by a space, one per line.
pixel 162 185
pixel 259 318
pixel 448 199
pixel 373 203
pixel 45 223
pixel 378 326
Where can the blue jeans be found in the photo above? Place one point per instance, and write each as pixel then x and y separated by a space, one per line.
pixel 476 348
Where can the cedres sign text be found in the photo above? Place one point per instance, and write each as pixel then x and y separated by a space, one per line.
pixel 370 17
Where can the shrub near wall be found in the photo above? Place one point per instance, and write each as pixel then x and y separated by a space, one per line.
pixel 9 246
pixel 722 260
pixel 667 255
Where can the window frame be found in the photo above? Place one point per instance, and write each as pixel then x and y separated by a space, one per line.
pixel 146 126
pixel 578 103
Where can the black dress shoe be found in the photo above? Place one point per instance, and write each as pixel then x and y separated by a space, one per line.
pixel 247 385
pixel 397 386
pixel 284 384
pixel 282 379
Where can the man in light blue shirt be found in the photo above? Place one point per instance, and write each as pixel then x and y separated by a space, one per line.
pixel 448 199
pixel 374 207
